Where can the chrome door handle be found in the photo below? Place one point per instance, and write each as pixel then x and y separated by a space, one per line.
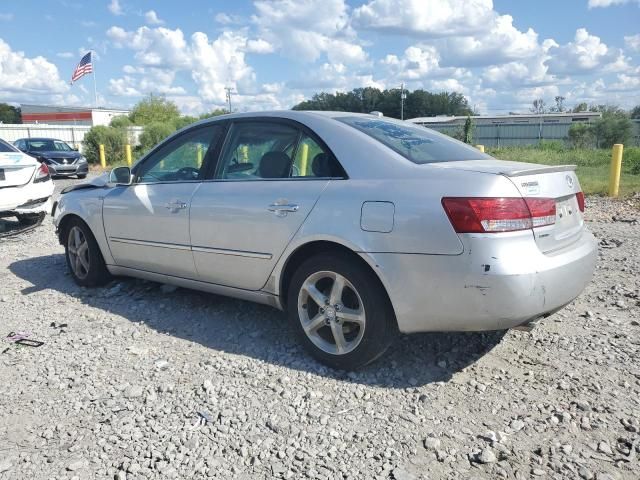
pixel 176 205
pixel 281 210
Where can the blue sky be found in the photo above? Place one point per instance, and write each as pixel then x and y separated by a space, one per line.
pixel 501 54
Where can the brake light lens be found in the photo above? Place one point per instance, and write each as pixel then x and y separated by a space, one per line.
pixel 499 214
pixel 580 198
pixel 42 174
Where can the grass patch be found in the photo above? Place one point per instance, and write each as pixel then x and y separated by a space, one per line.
pixel 593 164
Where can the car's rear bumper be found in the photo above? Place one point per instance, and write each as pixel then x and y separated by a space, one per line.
pixel 32 198
pixel 497 283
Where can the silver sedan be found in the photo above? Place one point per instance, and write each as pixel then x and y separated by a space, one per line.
pixel 358 226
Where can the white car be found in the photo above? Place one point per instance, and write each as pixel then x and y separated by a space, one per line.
pixel 25 185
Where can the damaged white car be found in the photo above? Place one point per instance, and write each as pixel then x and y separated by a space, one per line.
pixel 25 186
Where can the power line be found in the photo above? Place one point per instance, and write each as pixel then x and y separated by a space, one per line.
pixel 229 91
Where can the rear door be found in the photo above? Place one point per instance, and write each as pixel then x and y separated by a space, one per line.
pixel 147 223
pixel 269 177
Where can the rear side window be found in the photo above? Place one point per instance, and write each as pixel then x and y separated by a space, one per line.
pixel 5 147
pixel 413 142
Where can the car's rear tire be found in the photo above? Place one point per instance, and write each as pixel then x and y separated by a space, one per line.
pixel 83 255
pixel 340 311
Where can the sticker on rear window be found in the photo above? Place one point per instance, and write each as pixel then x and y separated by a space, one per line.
pixel 11 158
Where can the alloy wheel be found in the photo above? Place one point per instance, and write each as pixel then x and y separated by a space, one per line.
pixel 331 312
pixel 78 251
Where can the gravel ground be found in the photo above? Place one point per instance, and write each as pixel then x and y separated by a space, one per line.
pixel 138 380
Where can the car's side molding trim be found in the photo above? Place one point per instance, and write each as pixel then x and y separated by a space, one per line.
pixel 237 253
pixel 177 246
pixel 148 243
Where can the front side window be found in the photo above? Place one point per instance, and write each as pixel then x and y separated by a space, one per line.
pixel 181 159
pixel 258 150
pixel 413 142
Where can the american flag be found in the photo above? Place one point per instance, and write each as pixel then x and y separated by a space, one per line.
pixel 85 67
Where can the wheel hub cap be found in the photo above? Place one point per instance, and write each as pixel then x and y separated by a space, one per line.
pixel 331 312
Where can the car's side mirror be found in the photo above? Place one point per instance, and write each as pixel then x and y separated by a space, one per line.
pixel 120 176
pixel 74 148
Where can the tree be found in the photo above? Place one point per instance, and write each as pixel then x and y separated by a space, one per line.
pixel 154 133
pixel 581 135
pixel 538 107
pixel 635 112
pixel 614 126
pixel 113 140
pixel 10 114
pixel 581 107
pixel 120 121
pixel 418 103
pixel 559 107
pixel 468 129
pixel 154 108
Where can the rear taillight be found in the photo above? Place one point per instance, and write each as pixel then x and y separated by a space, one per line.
pixel 580 198
pixel 42 174
pixel 490 215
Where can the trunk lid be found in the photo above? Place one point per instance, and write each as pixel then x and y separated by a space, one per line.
pixel 16 169
pixel 532 180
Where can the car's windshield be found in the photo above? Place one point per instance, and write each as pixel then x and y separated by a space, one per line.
pixel 5 147
pixel 48 146
pixel 414 142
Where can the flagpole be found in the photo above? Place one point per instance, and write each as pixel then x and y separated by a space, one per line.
pixel 95 88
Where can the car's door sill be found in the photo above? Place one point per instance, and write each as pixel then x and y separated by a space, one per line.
pixel 256 296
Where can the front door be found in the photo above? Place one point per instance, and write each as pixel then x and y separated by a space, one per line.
pixel 147 223
pixel 269 177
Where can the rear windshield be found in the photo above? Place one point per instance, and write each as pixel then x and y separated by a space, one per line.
pixel 5 147
pixel 415 143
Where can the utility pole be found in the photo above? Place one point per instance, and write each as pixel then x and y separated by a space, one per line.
pixel 402 101
pixel 229 91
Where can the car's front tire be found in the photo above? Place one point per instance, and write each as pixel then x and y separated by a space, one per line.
pixel 83 255
pixel 82 175
pixel 28 219
pixel 340 311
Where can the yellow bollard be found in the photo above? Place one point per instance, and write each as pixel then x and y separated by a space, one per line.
pixel 480 147
pixel 304 159
pixel 199 154
pixel 127 154
pixel 244 153
pixel 103 160
pixel 616 167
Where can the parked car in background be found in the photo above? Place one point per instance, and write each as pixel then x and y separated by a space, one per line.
pixel 358 226
pixel 61 159
pixel 25 185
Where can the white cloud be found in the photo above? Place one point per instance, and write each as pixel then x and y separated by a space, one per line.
pixel 115 7
pixel 162 54
pixel 608 3
pixel 28 78
pixel 259 46
pixel 226 19
pixel 426 18
pixel 501 43
pixel 151 17
pixel 304 30
pixel 587 53
pixel 6 17
pixel 633 42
